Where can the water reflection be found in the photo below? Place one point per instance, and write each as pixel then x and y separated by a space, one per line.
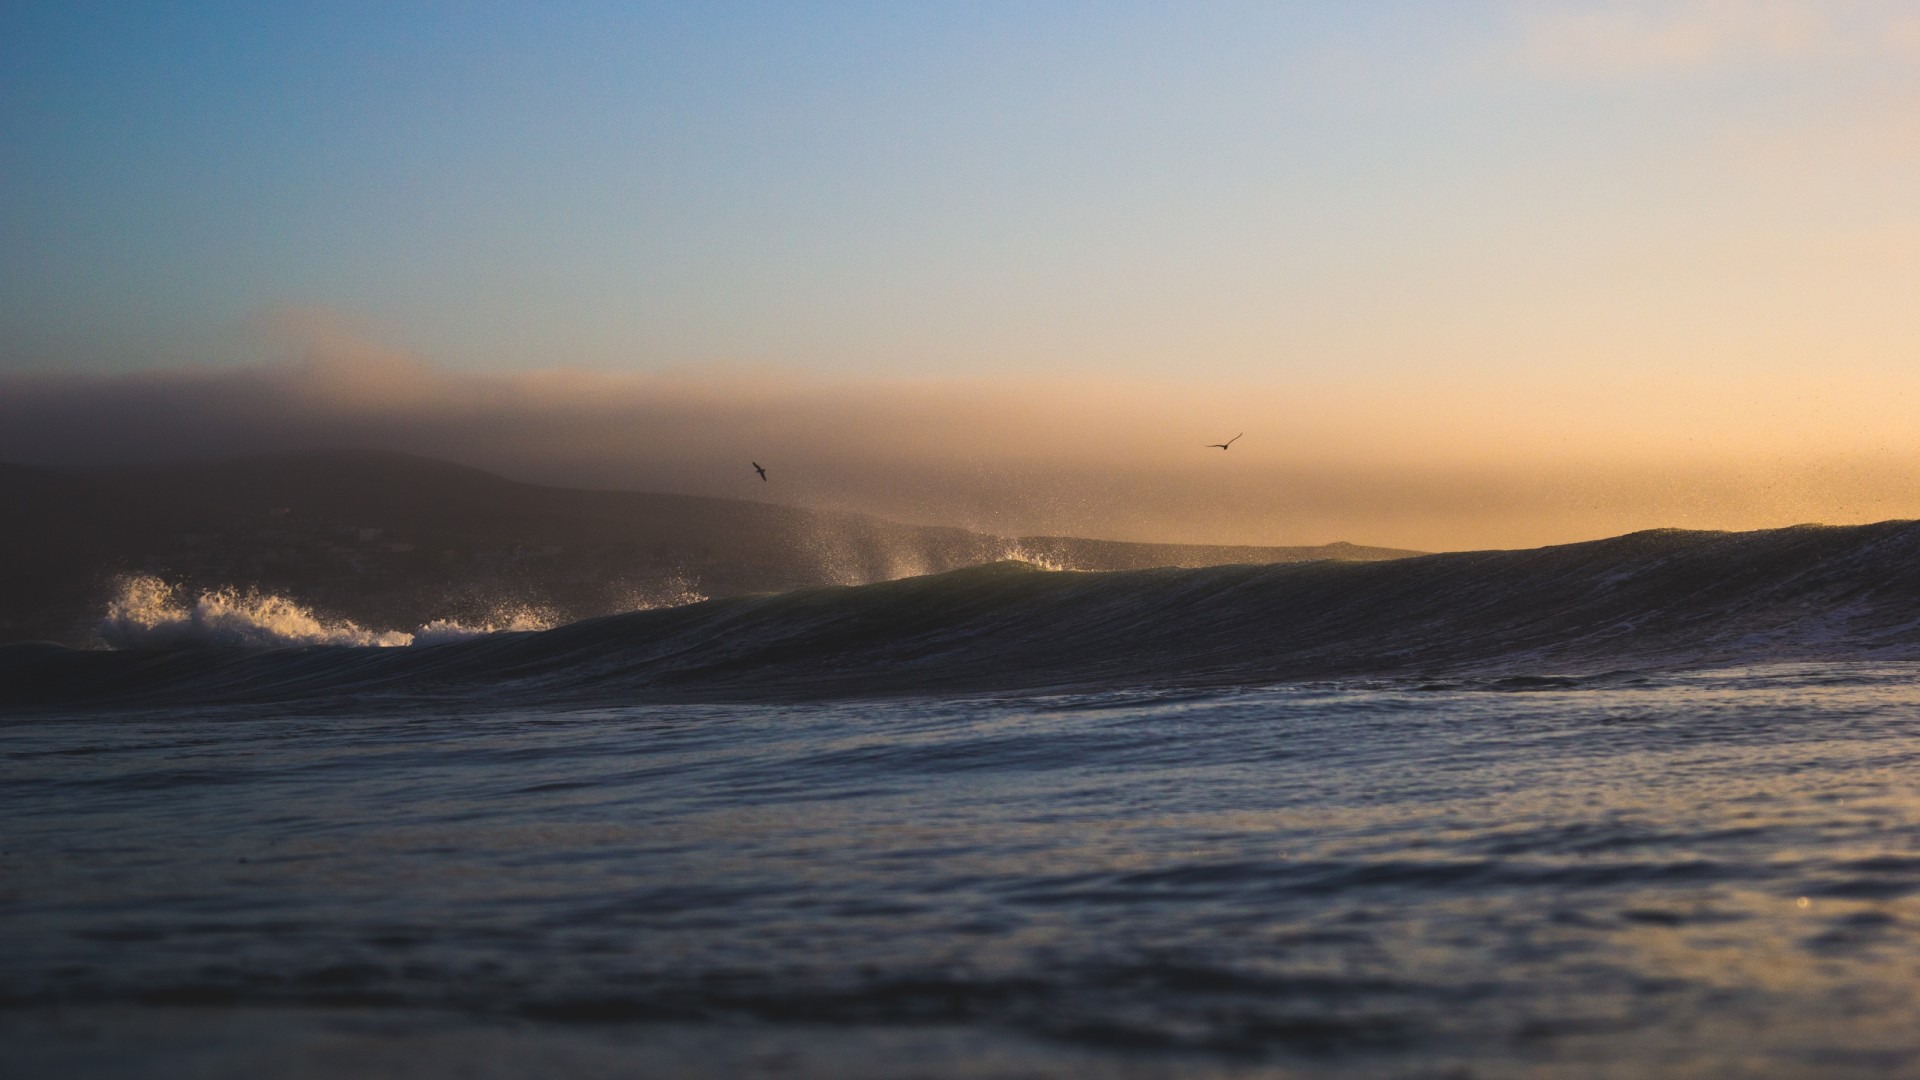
pixel 1705 872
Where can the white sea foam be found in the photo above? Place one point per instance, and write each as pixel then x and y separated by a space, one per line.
pixel 150 613
pixel 147 612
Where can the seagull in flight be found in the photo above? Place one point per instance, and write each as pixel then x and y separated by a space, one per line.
pixel 1224 445
pixel 758 469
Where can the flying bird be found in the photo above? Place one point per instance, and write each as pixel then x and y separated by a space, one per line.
pixel 758 469
pixel 1224 445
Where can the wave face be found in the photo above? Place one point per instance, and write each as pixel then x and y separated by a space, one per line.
pixel 1653 600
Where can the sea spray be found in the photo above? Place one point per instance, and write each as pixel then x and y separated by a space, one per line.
pixel 515 620
pixel 677 589
pixel 854 559
pixel 148 613
pixel 1017 552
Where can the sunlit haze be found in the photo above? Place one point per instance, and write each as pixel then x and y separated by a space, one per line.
pixel 1465 275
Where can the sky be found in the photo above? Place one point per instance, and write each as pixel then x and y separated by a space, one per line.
pixel 1474 274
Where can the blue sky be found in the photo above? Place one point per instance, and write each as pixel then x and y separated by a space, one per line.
pixel 913 186
pixel 831 185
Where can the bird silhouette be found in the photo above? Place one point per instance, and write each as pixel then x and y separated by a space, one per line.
pixel 1224 445
pixel 758 469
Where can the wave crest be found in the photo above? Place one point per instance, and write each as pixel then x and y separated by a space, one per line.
pixel 147 613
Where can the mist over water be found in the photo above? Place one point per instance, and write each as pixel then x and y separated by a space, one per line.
pixel 1414 461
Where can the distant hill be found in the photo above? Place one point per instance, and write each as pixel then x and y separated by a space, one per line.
pixel 391 540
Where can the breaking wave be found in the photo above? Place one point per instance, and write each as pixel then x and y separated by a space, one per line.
pixel 1662 600
pixel 148 613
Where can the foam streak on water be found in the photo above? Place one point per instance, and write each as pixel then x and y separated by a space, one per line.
pixel 1697 875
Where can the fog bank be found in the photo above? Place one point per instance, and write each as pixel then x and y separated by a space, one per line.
pixel 1415 463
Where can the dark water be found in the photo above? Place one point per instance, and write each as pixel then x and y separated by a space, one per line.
pixel 1653 601
pixel 1706 874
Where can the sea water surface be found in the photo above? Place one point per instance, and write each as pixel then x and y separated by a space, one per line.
pixel 1713 873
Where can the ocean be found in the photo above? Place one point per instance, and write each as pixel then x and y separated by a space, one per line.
pixel 1648 807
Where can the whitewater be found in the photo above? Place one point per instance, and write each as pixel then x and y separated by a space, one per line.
pixel 147 612
pixel 1642 807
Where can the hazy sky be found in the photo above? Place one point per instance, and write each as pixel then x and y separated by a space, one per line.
pixel 1457 261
